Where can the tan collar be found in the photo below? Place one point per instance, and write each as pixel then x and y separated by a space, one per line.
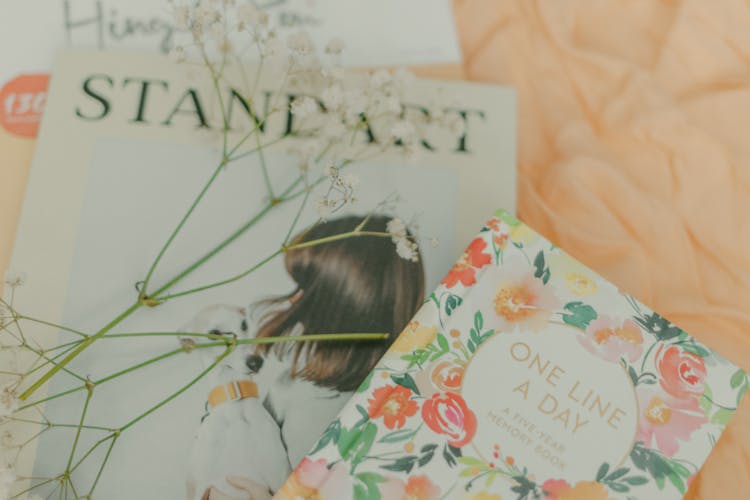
pixel 232 391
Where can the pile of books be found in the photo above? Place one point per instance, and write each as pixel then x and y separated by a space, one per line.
pixel 511 370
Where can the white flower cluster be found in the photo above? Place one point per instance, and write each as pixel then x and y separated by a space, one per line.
pixel 340 192
pixel 218 26
pixel 8 400
pixel 405 246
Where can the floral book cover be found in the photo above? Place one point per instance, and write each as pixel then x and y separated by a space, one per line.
pixel 307 223
pixel 527 376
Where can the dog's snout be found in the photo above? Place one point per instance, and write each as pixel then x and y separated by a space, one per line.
pixel 254 363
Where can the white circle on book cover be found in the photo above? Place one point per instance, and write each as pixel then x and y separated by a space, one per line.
pixel 543 402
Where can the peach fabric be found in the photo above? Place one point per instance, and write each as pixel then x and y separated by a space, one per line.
pixel 634 156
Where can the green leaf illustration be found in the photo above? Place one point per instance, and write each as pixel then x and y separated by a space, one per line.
pixel 602 472
pixel 478 321
pixel 737 379
pixel 579 314
pixel 452 303
pixel 407 381
pixel 722 416
pixel 658 326
pixel 365 383
pixel 366 486
pixel 330 435
pixel 402 464
pixel 539 264
pixel 398 436
pixel 509 219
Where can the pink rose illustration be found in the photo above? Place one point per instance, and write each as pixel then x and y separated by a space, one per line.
pixel 447 413
pixel 681 372
pixel 664 420
pixel 612 340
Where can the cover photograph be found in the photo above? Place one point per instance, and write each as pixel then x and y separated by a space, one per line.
pixel 126 143
pixel 527 376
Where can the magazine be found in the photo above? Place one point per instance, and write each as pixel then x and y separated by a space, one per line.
pixel 30 36
pixel 126 142
pixel 526 375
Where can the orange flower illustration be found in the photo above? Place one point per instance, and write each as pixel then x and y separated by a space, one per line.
pixel 313 480
pixel 394 404
pixel 414 336
pixel 447 376
pixel 465 269
pixel 416 488
pixel 585 490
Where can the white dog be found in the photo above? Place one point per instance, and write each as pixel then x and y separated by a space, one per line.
pixel 237 437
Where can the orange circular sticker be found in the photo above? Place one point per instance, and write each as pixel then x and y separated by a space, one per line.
pixel 21 103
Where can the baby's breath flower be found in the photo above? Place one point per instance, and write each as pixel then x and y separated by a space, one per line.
pixel 187 344
pixel 302 108
pixel 177 54
pixel 434 242
pixel 216 30
pixel 299 44
pixel 404 78
pixel 331 171
pixel 335 46
pixel 181 17
pixel 14 279
pixel 325 208
pixel 206 14
pixel 8 400
pixel 7 440
pixel 333 128
pixel 404 131
pixel 348 181
pixel 407 250
pixel 250 15
pixel 396 228
pixel 355 103
pixel 332 97
pixel 380 78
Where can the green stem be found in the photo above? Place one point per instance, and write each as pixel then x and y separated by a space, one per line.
pixel 181 224
pixel 101 467
pixel 81 347
pixel 53 325
pixel 262 340
pixel 264 169
pixel 93 448
pixel 184 388
pixel 223 282
pixel 38 485
pixel 50 424
pixel 80 426
pixel 337 237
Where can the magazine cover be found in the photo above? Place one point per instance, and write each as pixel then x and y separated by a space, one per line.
pixel 126 142
pixel 426 41
pixel 526 375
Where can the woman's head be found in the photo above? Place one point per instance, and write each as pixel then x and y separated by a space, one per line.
pixel 352 285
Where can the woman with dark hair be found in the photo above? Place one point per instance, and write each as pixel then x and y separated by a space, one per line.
pixel 357 284
pixel 351 285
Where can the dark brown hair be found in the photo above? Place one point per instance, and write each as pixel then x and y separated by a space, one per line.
pixel 352 285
